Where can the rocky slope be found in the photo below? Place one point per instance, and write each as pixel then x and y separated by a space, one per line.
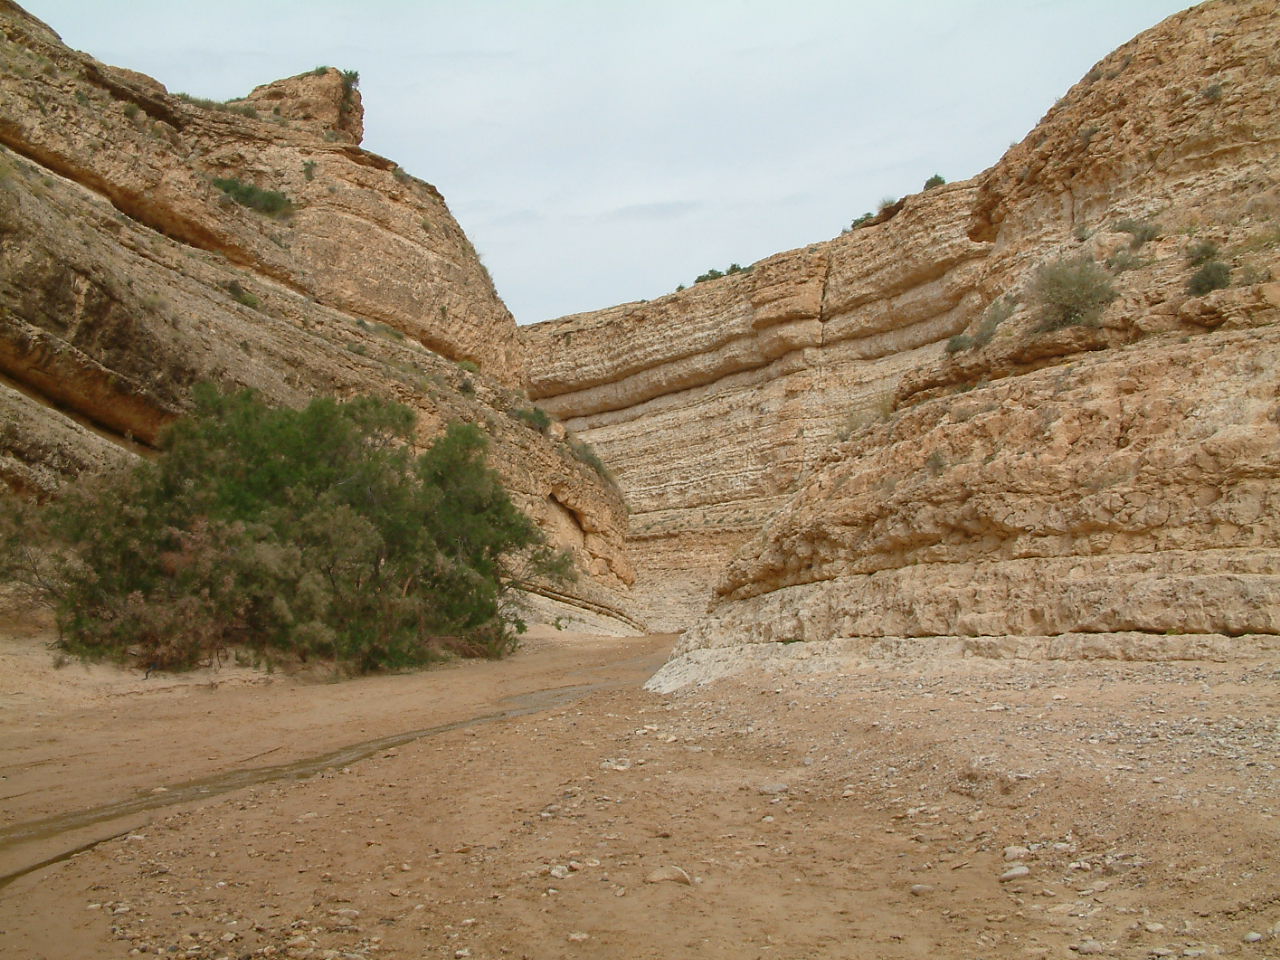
pixel 127 274
pixel 887 439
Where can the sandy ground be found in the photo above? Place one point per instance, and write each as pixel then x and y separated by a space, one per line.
pixel 960 808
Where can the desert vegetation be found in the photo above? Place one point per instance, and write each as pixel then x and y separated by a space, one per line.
pixel 1070 292
pixel 714 274
pixel 271 202
pixel 309 534
pixel 1000 310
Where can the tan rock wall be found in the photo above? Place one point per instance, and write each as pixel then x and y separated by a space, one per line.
pixel 1134 490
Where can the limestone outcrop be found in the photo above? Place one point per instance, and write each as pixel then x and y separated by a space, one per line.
pixel 886 435
pixel 127 275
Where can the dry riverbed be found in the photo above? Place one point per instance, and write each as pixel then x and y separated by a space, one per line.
pixel 951 808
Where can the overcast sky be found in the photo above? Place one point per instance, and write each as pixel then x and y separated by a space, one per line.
pixel 601 151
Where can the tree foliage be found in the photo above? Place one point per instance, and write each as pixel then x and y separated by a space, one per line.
pixel 315 533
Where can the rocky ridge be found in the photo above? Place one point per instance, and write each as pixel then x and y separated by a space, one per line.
pixel 879 435
pixel 127 274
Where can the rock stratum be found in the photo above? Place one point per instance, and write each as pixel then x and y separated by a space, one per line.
pixel 880 436
pixel 127 274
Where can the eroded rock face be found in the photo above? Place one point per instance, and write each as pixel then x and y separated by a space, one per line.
pixel 111 309
pixel 912 451
pixel 364 237
pixel 1134 490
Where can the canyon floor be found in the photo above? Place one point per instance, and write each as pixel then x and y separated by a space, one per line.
pixel 547 806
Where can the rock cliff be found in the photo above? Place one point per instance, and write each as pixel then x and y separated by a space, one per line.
pixel 890 435
pixel 149 241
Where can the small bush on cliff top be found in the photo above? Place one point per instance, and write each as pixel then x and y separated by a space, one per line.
pixel 1069 292
pixel 313 533
pixel 714 274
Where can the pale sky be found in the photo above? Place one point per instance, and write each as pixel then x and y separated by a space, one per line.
pixel 601 151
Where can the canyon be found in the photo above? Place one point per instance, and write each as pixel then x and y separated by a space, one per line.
pixel 875 437
pixel 969 611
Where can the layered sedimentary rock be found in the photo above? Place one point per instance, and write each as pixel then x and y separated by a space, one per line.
pixel 127 275
pixel 712 404
pixel 890 439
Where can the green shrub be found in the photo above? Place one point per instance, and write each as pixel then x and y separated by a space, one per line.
pixel 1202 251
pixel 1068 292
pixel 130 110
pixel 1214 275
pixel 936 180
pixel 961 341
pixel 271 202
pixel 535 417
pixel 468 365
pixel 313 533
pixel 309 169
pixel 862 221
pixel 241 295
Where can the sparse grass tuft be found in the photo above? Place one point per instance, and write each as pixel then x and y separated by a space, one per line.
pixel 271 202
pixel 586 454
pixel 535 417
pixel 1202 251
pixel 242 296
pixel 1140 231
pixel 1123 260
